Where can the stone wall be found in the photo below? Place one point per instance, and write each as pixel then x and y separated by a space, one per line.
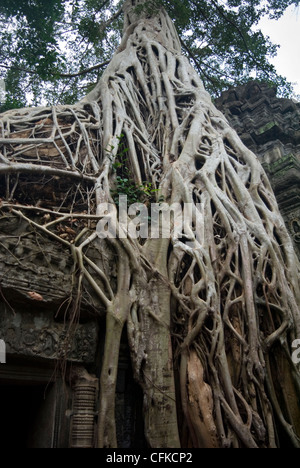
pixel 270 127
pixel 36 291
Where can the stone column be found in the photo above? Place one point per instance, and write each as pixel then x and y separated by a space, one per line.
pixel 85 389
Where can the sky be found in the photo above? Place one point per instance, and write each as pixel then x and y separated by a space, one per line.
pixel 286 32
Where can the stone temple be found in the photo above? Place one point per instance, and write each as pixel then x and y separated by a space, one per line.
pixel 47 401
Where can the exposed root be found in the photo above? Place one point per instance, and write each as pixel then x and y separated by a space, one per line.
pixel 220 302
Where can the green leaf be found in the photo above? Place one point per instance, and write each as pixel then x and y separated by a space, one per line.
pixel 41 40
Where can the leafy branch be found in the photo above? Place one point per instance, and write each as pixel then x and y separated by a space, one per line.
pixel 57 74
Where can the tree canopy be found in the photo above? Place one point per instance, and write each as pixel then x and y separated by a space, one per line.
pixel 56 50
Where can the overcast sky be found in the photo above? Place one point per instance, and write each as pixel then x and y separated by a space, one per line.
pixel 286 32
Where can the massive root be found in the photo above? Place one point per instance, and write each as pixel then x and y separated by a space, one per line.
pixel 211 312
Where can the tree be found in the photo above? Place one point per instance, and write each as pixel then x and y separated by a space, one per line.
pixel 211 311
pixel 56 50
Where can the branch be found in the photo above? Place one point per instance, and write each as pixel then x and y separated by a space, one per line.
pixel 193 57
pixel 239 31
pixel 233 24
pixel 103 4
pixel 97 289
pixel 41 228
pixel 101 274
pixel 191 54
pixel 51 212
pixel 84 72
pixel 111 19
pixel 59 75
pixel 35 169
pixel 222 14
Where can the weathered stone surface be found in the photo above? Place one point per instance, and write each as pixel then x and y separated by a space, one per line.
pixel 270 127
pixel 36 334
pixel 85 389
pixel 36 289
pixel 31 264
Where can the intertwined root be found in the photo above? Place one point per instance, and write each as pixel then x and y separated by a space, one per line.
pixel 216 306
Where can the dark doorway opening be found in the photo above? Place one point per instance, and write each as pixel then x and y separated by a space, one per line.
pixel 25 418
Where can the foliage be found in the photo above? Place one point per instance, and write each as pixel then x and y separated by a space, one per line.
pixel 135 193
pixel 125 184
pixel 54 50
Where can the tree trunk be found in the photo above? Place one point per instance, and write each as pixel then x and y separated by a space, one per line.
pixel 151 347
pixel 217 301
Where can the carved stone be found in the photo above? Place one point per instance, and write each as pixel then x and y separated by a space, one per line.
pixel 35 293
pixel 38 335
pixel 85 389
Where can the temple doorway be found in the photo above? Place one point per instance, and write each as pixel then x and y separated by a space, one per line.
pixel 26 420
pixel 33 407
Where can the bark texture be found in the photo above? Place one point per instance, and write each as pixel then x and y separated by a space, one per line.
pixel 210 314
